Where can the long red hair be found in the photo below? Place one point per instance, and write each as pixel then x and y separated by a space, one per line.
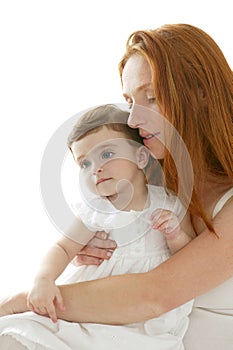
pixel 193 86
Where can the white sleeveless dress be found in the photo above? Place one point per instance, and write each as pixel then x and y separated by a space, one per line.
pixel 211 321
pixel 140 252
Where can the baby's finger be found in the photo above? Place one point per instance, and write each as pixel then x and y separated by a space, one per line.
pixel 161 217
pixel 156 222
pixel 170 229
pixel 156 214
pixel 52 312
pixel 40 310
pixel 30 306
pixel 164 226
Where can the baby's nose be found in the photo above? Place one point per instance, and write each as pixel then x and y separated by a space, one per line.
pixel 97 169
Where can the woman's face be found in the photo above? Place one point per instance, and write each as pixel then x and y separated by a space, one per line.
pixel 139 94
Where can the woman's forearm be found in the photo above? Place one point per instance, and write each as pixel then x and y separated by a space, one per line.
pixel 203 264
pixel 194 270
pixel 112 300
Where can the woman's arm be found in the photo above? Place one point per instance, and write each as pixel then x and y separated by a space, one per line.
pixel 203 264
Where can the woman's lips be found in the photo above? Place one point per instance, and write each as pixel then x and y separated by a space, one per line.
pixel 150 138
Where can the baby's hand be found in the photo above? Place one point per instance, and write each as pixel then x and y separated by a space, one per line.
pixel 166 222
pixel 43 297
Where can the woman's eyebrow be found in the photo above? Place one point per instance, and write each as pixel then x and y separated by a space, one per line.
pixel 138 89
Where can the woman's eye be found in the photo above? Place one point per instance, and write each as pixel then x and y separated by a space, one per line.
pixel 84 164
pixel 130 105
pixel 151 99
pixel 107 154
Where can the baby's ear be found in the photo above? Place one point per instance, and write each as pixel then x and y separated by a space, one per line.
pixel 142 157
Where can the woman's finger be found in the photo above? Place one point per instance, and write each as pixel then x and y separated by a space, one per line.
pixel 87 260
pixel 101 243
pixel 101 234
pixel 96 252
pixel 98 249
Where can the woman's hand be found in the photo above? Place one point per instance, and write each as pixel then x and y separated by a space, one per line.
pixel 99 248
pixel 13 304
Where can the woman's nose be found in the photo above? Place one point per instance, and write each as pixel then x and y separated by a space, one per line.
pixel 135 116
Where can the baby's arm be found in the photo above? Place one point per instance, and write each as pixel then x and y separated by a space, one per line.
pixel 45 295
pixel 177 234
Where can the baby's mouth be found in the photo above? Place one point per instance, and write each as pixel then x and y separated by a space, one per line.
pixel 102 180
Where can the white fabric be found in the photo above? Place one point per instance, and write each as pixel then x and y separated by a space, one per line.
pixel 148 250
pixel 9 342
pixel 211 321
pixel 222 201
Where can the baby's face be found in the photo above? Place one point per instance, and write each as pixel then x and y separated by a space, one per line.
pixel 105 158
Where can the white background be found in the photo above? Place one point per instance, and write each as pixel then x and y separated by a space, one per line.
pixel 59 58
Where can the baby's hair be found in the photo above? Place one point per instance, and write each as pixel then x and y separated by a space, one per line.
pixel 113 118
pixel 109 116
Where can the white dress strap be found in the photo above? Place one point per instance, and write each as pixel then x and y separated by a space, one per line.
pixel 219 298
pixel 222 201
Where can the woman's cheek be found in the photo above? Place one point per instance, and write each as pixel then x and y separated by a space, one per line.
pixel 157 149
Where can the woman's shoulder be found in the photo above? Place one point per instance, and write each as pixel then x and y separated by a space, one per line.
pixel 223 219
pixel 227 198
pixel 220 251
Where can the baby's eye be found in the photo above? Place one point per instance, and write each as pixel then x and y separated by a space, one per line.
pixel 85 164
pixel 107 154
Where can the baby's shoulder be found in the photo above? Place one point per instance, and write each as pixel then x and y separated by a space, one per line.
pixel 164 199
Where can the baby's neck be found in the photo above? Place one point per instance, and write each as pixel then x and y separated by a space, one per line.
pixel 138 201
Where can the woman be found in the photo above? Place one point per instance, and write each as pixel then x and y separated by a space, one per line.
pixel 179 72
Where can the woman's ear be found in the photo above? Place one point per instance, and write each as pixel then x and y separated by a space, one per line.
pixel 142 157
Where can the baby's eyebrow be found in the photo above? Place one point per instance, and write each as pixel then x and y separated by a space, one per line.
pixel 104 145
pixel 78 159
pixel 97 148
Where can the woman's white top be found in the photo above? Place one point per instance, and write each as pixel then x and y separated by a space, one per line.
pixel 211 321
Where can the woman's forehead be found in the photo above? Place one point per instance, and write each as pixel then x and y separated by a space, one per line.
pixel 136 74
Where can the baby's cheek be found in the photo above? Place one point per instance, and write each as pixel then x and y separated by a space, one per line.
pixel 87 185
